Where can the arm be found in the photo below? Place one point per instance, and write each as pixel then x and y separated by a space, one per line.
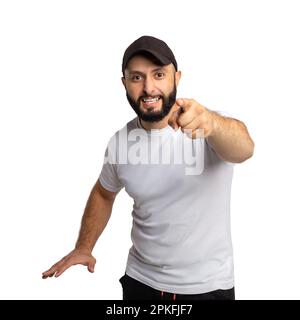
pixel 96 215
pixel 228 137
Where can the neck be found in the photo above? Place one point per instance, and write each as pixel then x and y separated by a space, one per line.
pixel 154 125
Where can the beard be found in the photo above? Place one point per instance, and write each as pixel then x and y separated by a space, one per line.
pixel 167 103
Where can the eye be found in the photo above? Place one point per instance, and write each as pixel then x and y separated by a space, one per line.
pixel 160 75
pixel 136 77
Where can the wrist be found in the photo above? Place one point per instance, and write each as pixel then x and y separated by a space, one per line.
pixel 214 120
pixel 83 249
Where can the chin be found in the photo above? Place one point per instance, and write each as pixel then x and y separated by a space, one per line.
pixel 151 110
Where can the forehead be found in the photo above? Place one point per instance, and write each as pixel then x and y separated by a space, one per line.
pixel 141 63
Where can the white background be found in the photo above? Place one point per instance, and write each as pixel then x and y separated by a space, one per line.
pixel 61 99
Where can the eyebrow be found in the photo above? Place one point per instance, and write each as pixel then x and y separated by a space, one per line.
pixel 154 70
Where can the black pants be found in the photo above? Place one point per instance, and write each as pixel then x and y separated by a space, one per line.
pixel 135 290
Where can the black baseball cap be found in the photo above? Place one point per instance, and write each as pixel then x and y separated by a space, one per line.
pixel 150 45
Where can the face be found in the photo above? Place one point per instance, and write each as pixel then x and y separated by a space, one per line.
pixel 150 88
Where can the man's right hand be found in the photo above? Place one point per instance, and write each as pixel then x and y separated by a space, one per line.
pixel 76 256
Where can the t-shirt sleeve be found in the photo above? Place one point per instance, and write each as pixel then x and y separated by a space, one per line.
pixel 108 177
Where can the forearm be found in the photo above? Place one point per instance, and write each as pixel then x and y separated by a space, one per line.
pixel 96 215
pixel 230 139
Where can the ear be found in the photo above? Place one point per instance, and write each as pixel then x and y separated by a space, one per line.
pixel 177 77
pixel 123 81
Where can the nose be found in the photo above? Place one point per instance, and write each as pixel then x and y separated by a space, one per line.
pixel 149 86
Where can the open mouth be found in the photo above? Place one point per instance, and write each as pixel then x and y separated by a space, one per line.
pixel 150 101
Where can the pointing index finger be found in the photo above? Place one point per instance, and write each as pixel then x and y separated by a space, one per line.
pixel 184 103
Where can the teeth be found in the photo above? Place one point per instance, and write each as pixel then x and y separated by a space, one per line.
pixel 150 100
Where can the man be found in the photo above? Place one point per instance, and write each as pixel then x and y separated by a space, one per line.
pixel 181 218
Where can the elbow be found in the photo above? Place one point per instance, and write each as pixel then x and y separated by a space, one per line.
pixel 250 150
pixel 248 153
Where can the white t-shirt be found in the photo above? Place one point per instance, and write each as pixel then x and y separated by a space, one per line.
pixel 181 214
